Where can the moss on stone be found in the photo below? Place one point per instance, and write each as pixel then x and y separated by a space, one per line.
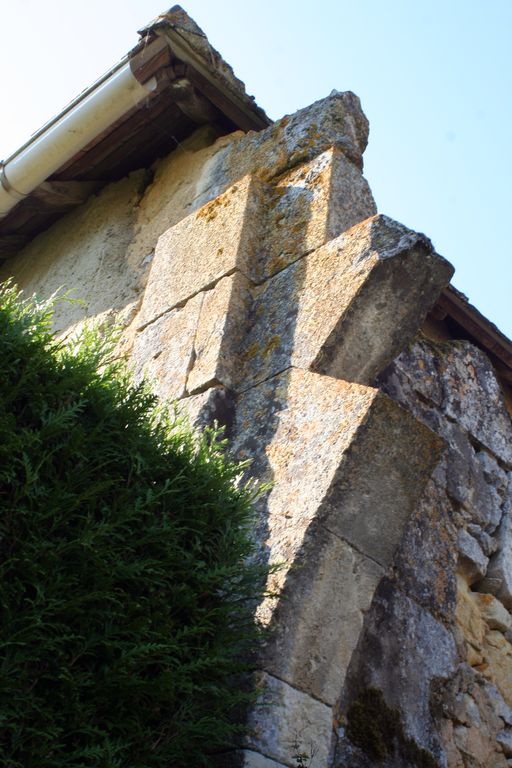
pixel 372 725
pixel 376 728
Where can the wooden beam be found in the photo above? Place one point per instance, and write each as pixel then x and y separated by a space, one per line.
pixel 149 58
pixel 454 305
pixel 238 109
pixel 64 194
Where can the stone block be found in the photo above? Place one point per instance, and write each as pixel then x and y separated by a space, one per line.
pixel 493 473
pixel 336 121
pixel 417 369
pixel 498 579
pixel 472 396
pixel 346 466
pixel 346 309
pixel 212 242
pixel 472 561
pixel 220 333
pixel 498 653
pixel 312 204
pixel 214 405
pixel 405 277
pixel 380 479
pixel 257 760
pixel 318 622
pixel 402 651
pixel 426 559
pixel 488 544
pixel 163 351
pixel 334 451
pixel 504 739
pixel 286 721
pixel 494 612
pixel 469 616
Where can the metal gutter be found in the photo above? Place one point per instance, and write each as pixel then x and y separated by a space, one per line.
pixel 97 108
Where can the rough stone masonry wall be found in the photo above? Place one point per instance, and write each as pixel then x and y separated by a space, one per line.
pixel 259 287
pixel 437 638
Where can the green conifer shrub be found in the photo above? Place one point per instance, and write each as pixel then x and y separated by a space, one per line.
pixel 126 581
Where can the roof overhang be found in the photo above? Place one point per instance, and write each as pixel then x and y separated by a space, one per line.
pixel 464 321
pixel 188 85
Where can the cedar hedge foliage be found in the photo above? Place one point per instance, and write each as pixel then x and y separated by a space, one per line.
pixel 125 587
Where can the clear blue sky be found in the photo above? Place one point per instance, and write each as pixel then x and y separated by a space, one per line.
pixel 434 78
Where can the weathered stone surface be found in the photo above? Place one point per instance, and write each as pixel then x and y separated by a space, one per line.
pixel 493 473
pixel 324 491
pixel 472 396
pixel 483 621
pixel 474 709
pixel 416 370
pixel 425 562
pixel 457 378
pixel 453 756
pixel 474 479
pixel 204 247
pixel 488 544
pixel 377 486
pixel 348 308
pixel 498 654
pixel 388 309
pixel 336 121
pixel 497 703
pixel 469 616
pixel 465 482
pixel 307 434
pixel 163 351
pixel 256 760
pixel 312 204
pixel 295 428
pixel 256 229
pixel 476 747
pixel 402 652
pixel 286 721
pixel 498 580
pixel 493 612
pixel 347 754
pixel 319 619
pixel 472 560
pixel 504 739
pixel 220 333
pixel 214 405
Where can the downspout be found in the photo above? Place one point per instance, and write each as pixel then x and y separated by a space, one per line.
pixel 94 111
